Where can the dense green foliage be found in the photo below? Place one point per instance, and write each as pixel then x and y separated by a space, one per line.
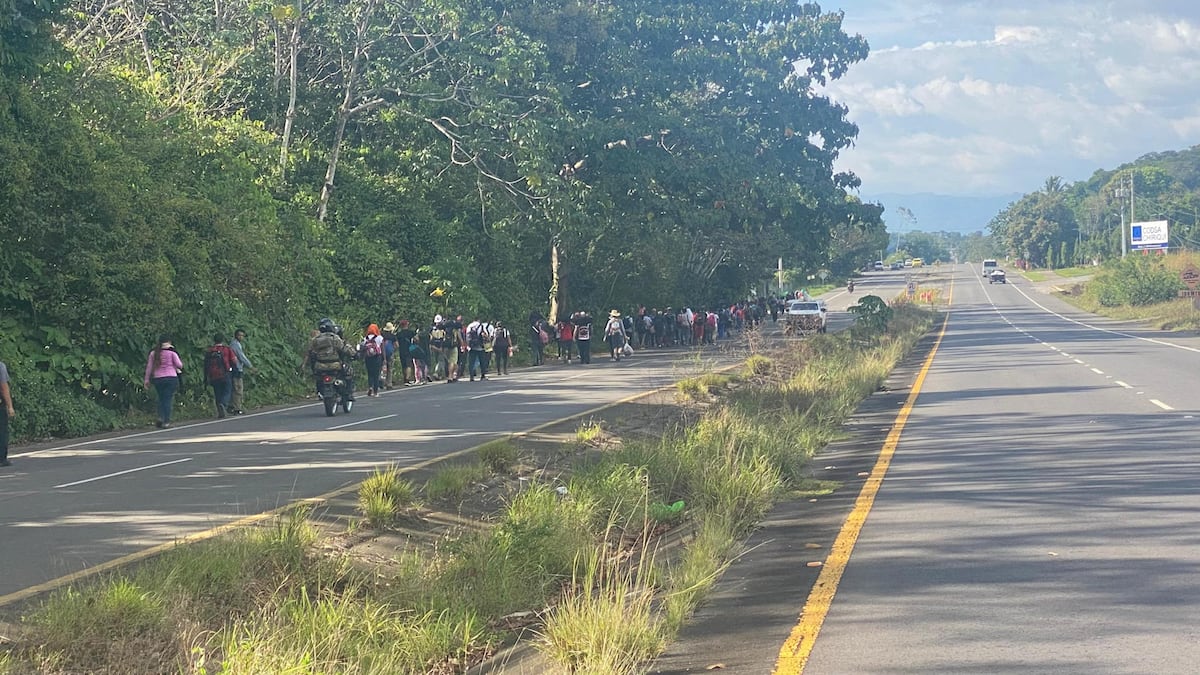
pixel 1064 225
pixel 192 167
pixel 1136 280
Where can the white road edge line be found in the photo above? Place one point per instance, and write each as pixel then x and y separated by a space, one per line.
pixel 494 393
pixel 1105 330
pixel 1079 362
pixel 1127 386
pixel 121 473
pixel 354 424
pixel 1097 371
pixel 1160 404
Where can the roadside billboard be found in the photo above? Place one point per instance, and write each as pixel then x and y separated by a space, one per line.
pixel 1148 235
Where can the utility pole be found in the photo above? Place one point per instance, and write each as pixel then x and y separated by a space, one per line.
pixel 1132 220
pixel 1124 249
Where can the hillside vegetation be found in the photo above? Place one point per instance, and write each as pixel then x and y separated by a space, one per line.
pixel 1062 225
pixel 191 167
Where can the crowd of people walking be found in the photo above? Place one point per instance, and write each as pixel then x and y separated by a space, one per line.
pixel 450 347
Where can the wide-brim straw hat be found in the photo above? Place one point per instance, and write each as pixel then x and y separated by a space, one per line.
pixel 389 327
pixel 614 314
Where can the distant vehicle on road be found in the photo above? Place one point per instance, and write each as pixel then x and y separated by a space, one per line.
pixel 988 266
pixel 898 265
pixel 878 265
pixel 997 277
pixel 918 262
pixel 908 262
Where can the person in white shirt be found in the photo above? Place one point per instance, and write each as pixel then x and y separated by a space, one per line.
pixel 614 334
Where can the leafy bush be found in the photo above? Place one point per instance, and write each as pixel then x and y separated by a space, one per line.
pixel 1135 281
pixel 871 314
pixel 48 410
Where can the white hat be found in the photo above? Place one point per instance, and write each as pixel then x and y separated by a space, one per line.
pixel 437 318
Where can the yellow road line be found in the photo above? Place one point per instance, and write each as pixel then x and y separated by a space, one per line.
pixel 794 653
pixel 59 582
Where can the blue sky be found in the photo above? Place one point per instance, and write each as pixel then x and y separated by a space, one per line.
pixel 987 98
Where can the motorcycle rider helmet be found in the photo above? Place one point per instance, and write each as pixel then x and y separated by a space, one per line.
pixel 325 325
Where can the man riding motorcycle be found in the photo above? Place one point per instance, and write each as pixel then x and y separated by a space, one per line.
pixel 329 354
pixel 850 286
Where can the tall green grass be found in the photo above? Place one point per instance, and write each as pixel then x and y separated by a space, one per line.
pixel 383 496
pixel 148 621
pixel 345 633
pixel 606 623
pixel 454 481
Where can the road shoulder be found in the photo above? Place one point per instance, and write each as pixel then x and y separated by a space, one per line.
pixel 757 602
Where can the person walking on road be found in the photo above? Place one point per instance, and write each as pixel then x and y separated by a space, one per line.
pixel 566 338
pixel 241 366
pixel 439 339
pixel 479 335
pixel 218 364
pixel 372 350
pixel 583 336
pixel 163 367
pixel 614 334
pixel 6 414
pixel 503 348
pixel 539 337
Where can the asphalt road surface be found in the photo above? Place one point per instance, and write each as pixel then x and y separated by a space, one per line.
pixel 1040 513
pixel 1038 516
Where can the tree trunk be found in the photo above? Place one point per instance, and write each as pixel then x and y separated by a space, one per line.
pixel 290 117
pixel 346 110
pixel 553 315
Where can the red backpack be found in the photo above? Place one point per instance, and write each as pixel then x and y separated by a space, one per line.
pixel 216 363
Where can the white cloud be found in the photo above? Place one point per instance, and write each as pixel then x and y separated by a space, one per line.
pixel 1011 34
pixel 960 97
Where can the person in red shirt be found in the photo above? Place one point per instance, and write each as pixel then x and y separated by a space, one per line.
pixel 566 338
pixel 218 364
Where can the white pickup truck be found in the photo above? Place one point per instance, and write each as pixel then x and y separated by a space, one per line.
pixel 805 316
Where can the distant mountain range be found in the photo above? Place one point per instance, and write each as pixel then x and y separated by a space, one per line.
pixel 941 213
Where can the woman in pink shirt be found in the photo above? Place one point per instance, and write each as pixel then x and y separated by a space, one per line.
pixel 163 367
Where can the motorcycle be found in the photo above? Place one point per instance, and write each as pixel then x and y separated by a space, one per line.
pixel 334 389
pixel 850 287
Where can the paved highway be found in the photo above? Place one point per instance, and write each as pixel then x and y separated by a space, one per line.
pixel 1039 514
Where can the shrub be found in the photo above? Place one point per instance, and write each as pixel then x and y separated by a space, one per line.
pixel 1135 281
pixel 871 314
pixel 47 410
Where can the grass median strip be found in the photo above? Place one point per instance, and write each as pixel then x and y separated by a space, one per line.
pixel 604 554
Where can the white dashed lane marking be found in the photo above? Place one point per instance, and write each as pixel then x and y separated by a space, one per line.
pixel 122 473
